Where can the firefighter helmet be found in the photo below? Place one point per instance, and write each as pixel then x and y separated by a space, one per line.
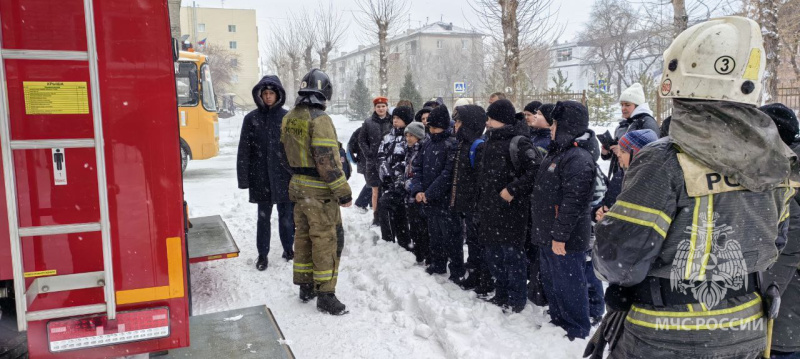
pixel 316 81
pixel 720 59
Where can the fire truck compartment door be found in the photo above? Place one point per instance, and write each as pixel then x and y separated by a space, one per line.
pixel 209 239
pixel 239 333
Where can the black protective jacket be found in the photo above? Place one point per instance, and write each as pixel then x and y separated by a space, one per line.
pixel 369 139
pixel 466 188
pixel 504 222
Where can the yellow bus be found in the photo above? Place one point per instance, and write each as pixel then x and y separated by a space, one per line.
pixel 197 108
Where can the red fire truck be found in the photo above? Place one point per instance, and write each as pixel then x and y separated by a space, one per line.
pixel 93 256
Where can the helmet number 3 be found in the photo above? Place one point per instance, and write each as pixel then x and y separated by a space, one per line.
pixel 724 65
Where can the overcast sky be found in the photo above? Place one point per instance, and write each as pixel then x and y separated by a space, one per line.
pixel 270 13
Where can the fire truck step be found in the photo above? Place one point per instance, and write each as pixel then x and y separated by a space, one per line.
pixel 248 332
pixel 209 239
pixel 60 283
pixel 45 55
pixel 45 144
pixel 65 312
pixel 59 229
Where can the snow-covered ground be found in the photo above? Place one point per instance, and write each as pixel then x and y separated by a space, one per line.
pixel 396 309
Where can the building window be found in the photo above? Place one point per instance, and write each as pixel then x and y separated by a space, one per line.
pixel 232 45
pixel 201 27
pixel 564 55
pixel 231 28
pixel 235 79
pixel 439 44
pixel 463 44
pixel 234 62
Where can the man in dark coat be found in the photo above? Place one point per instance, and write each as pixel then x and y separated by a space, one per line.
pixel 561 228
pixel 370 137
pixel 431 185
pixel 506 182
pixel 365 197
pixel 470 121
pixel 636 115
pixel 259 169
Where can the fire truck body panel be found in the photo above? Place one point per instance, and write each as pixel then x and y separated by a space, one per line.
pixel 137 90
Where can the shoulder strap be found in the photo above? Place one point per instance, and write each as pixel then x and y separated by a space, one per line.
pixel 513 150
pixel 473 149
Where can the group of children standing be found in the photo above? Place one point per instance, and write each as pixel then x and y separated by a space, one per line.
pixel 517 188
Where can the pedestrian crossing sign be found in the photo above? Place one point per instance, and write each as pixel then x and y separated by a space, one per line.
pixel 459 87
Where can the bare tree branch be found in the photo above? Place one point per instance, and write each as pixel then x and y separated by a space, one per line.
pixel 331 30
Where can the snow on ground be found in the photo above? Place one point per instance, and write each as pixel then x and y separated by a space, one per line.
pixel 396 309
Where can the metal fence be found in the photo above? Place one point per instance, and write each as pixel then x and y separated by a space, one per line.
pixel 789 95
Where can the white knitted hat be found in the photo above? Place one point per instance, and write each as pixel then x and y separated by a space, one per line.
pixel 633 94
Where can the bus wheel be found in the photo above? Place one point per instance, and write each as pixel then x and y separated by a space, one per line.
pixel 184 159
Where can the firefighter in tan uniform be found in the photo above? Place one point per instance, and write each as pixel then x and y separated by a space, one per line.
pixel 318 187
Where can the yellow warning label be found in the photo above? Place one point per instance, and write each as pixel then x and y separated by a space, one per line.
pixel 40 273
pixel 55 98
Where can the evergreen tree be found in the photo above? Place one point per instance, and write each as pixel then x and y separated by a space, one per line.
pixel 602 104
pixel 560 85
pixel 360 103
pixel 409 92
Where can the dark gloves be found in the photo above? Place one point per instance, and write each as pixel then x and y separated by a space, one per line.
pixel 608 333
pixel 772 301
pixel 618 298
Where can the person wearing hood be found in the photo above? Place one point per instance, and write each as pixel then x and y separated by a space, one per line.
pixel 786 271
pixel 370 137
pixel 506 180
pixel 422 116
pixel 391 159
pixel 562 198
pixel 417 223
pixel 636 115
pixel 364 198
pixel 431 186
pixel 258 167
pixel 318 188
pixel 702 212
pixel 470 121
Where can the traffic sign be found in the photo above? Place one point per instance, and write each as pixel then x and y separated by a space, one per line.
pixel 459 87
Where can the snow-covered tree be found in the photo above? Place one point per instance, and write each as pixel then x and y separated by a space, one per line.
pixel 517 24
pixel 331 27
pixel 409 91
pixel 561 84
pixel 380 17
pixel 601 103
pixel 360 103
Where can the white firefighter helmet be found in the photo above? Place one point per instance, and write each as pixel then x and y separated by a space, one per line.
pixel 720 59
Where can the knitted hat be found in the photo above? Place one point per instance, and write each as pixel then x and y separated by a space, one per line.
pixel 405 114
pixel 634 141
pixel 424 110
pixel 785 119
pixel 503 111
pixel 462 101
pixel 380 99
pixel 416 129
pixel 430 104
pixel 633 94
pixel 532 107
pixel 547 112
pixel 439 118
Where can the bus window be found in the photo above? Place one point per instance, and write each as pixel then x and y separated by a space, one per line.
pixel 186 83
pixel 209 102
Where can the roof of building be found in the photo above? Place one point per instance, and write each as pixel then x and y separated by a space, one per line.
pixel 436 28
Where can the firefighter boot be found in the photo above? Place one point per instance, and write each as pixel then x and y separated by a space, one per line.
pixel 327 303
pixel 307 292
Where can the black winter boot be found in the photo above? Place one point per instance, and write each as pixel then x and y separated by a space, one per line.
pixel 307 292
pixel 471 282
pixel 262 262
pixel 327 303
pixel 288 255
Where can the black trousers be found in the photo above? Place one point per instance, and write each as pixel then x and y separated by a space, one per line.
pixel 420 237
pixel 393 220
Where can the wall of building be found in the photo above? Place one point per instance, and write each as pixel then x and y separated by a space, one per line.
pixel 213 24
